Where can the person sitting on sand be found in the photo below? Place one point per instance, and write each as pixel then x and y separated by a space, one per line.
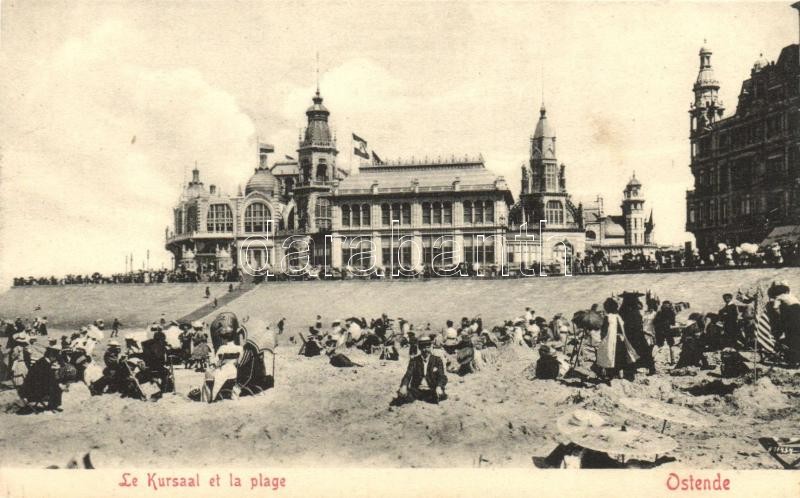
pixel 425 377
pixel 693 344
pixel 226 363
pixel 547 366
pixel 42 382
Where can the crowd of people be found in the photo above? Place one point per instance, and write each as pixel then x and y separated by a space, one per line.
pixel 620 337
pixel 161 276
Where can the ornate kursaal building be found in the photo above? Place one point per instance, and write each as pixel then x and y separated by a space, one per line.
pixel 445 212
pixel 746 166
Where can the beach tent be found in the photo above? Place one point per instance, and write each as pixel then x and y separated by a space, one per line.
pixel 785 233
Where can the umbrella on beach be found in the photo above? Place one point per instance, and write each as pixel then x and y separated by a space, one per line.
pixel 667 412
pixel 578 421
pixel 624 441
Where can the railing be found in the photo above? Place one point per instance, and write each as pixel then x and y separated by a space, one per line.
pixel 410 189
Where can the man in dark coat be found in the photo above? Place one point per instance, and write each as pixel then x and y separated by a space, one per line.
pixel 630 312
pixel 729 316
pixel 425 377
pixel 42 384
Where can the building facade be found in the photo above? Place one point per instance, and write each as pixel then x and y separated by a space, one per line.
pixel 630 232
pixel 746 166
pixel 440 214
pixel 405 215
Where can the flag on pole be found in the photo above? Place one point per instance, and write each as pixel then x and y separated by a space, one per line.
pixel 376 159
pixel 360 147
pixel 288 158
pixel 263 150
pixel 764 335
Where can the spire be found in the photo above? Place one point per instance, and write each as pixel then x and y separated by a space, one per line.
pixel 317 73
pixel 543 129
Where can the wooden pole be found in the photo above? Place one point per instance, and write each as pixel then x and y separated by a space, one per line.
pixel 755 339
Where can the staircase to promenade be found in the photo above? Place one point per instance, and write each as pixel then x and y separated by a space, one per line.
pixel 209 308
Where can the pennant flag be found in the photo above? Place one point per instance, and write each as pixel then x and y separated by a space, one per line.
pixel 376 159
pixel 265 148
pixel 360 147
pixel 763 326
pixel 289 158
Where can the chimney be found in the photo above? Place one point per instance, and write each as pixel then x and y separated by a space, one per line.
pixel 212 189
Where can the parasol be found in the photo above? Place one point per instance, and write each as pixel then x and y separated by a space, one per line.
pixel 578 421
pixel 666 411
pixel 625 441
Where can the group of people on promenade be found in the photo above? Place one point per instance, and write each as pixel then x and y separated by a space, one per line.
pixel 743 256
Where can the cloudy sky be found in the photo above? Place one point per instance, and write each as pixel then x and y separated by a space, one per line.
pixel 105 107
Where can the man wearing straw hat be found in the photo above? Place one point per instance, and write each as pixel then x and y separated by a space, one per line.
pixel 425 377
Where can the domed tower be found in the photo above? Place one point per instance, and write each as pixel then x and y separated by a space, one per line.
pixel 317 160
pixel 633 213
pixel 707 108
pixel 317 149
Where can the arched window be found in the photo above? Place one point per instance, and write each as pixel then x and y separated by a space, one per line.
pixel 405 218
pixel 219 218
pixel 356 215
pixel 467 211
pixel 178 222
pixel 386 215
pixel 437 213
pixel 488 212
pixel 554 213
pixel 426 213
pixel 346 215
pixel 590 235
pixel 479 212
pixel 447 217
pixel 322 171
pixel 292 222
pixel 560 251
pixel 256 218
pixel 365 215
pixel 322 213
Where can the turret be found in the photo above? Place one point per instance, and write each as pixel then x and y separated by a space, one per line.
pixel 707 108
pixel 633 212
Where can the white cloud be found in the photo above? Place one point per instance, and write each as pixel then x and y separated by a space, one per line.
pixel 76 179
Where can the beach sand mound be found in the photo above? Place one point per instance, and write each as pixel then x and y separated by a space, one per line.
pixel 760 399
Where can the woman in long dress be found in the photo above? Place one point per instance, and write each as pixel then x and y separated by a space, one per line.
pixel 631 314
pixel 788 308
pixel 614 353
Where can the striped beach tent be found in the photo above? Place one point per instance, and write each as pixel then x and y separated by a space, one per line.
pixel 764 338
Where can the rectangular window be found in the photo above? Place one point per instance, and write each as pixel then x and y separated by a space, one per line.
pixel 426 213
pixel 406 215
pixel 448 213
pixel 479 212
pixel 489 212
pixel 467 211
pixel 386 215
pixel 365 215
pixel 437 213
pixel 550 178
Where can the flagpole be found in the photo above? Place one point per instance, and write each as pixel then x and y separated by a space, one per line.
pixel 755 336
